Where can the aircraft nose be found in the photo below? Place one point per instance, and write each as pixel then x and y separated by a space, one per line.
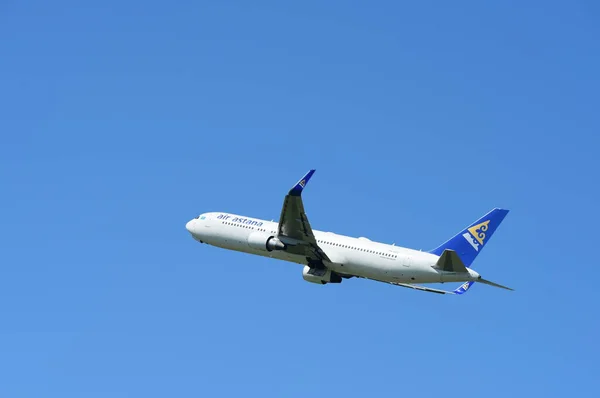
pixel 190 226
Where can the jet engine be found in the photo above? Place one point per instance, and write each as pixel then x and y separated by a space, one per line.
pixel 264 241
pixel 320 276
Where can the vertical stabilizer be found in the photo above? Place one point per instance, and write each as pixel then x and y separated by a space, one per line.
pixel 470 241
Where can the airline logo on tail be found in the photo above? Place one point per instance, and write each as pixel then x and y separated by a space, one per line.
pixel 302 183
pixel 476 234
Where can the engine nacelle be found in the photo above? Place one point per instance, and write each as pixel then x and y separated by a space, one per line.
pixel 264 241
pixel 320 276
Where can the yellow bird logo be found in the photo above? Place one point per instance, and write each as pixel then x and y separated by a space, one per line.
pixel 478 231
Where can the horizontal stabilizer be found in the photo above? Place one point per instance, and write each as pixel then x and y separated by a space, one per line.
pixel 486 282
pixel 449 261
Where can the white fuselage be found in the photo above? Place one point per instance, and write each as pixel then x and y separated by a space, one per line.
pixel 349 256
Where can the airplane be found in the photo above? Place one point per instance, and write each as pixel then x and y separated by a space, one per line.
pixel 330 258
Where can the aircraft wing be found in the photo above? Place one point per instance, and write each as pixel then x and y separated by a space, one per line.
pixel 460 290
pixel 294 229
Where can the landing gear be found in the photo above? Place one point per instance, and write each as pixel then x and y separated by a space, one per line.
pixel 316 264
pixel 316 268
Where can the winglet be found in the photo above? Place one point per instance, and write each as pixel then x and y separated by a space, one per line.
pixel 463 288
pixel 297 189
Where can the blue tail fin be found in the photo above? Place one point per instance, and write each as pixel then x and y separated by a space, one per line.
pixel 469 242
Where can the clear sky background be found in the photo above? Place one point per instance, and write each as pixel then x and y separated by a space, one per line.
pixel 122 120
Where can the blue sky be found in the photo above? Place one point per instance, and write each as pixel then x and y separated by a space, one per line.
pixel 122 120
